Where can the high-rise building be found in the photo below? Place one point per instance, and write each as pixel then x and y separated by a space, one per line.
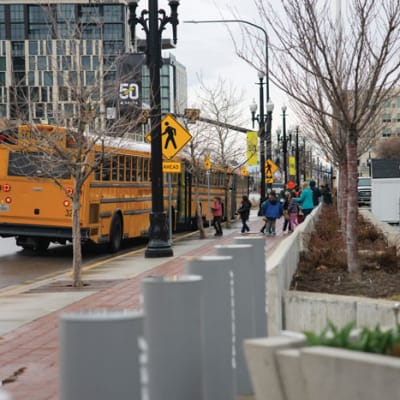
pixel 50 50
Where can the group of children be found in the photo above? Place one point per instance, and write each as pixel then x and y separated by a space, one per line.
pixel 295 207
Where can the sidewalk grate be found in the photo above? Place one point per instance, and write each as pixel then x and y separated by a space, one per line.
pixel 66 286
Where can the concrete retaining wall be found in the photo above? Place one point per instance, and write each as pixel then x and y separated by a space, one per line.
pixel 299 311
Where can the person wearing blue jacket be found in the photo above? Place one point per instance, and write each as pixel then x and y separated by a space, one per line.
pixel 305 200
pixel 272 211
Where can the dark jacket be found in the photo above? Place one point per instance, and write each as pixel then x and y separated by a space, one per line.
pixel 316 193
pixel 244 210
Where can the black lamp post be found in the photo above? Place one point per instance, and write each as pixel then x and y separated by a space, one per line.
pixel 297 157
pixel 261 132
pixel 284 108
pixel 304 160
pixel 153 22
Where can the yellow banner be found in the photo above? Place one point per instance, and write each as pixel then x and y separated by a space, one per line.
pixel 292 166
pixel 252 148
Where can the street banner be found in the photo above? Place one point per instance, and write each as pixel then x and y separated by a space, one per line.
pixel 292 166
pixel 252 148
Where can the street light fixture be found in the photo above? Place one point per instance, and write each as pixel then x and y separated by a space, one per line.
pixel 153 22
pixel 261 132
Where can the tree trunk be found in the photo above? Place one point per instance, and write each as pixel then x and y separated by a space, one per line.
pixel 342 198
pixel 76 240
pixel 352 205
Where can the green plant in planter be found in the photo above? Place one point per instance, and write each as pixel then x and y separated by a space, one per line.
pixel 386 341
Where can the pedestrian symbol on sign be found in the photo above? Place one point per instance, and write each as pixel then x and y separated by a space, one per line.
pixel 173 136
pixel 171 132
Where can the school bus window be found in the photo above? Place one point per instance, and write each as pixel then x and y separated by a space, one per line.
pixel 114 168
pixel 105 170
pixel 134 169
pixel 140 169
pixel 9 136
pixel 121 167
pixel 146 169
pixel 128 168
pixel 97 171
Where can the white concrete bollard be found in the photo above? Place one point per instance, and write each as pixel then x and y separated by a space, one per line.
pixel 99 355
pixel 172 331
pixel 217 324
pixel 258 269
pixel 244 327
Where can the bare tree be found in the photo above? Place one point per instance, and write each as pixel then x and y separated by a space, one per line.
pixel 90 138
pixel 225 147
pixel 353 67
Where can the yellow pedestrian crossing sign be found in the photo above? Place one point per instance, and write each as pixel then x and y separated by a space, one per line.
pixel 173 136
pixel 270 168
pixel 207 162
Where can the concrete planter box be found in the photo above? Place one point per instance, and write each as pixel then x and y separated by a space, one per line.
pixel 282 369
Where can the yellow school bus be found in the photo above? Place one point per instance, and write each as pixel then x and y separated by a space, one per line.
pixel 115 199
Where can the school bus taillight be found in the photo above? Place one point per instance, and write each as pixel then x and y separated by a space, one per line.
pixel 69 191
pixel 66 203
pixel 8 200
pixel 6 188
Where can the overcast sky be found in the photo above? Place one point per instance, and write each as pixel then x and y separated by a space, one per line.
pixel 207 49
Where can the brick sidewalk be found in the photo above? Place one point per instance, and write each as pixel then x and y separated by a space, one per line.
pixel 29 354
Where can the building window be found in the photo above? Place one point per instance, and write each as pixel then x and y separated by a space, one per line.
pixel 17 32
pixel 3 110
pixel 387 104
pixel 113 13
pixel 2 31
pixel 2 78
pixel 18 63
pixel 48 78
pixel 18 48
pixel 34 93
pixel 386 118
pixel 3 64
pixel 31 78
pixel 63 93
pixel 398 131
pixel 33 48
pixel 17 13
pixel 386 132
pixel 113 31
pixel 85 62
pixel 91 32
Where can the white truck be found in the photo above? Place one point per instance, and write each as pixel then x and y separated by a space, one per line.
pixel 385 185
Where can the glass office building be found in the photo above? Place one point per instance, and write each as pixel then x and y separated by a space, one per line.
pixel 50 49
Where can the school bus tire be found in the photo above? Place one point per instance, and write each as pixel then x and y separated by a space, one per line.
pixel 115 234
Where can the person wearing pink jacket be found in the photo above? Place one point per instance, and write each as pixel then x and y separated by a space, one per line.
pixel 216 210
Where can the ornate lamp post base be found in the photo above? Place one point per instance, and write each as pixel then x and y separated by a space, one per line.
pixel 159 245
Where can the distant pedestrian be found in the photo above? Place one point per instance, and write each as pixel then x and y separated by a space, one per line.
pixel 216 210
pixel 293 210
pixel 272 211
pixel 305 200
pixel 326 195
pixel 286 222
pixel 316 192
pixel 244 212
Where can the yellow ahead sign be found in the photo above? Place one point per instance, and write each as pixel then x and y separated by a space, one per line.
pixel 171 167
pixel 173 136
